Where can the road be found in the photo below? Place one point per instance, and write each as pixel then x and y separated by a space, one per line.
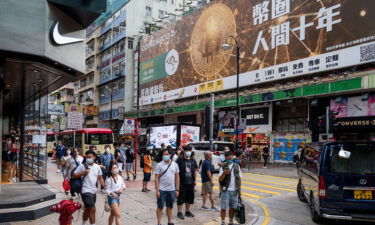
pixel 276 201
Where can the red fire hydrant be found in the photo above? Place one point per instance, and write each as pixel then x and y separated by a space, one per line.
pixel 66 208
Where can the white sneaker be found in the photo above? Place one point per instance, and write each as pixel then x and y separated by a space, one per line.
pixel 58 171
pixel 264 167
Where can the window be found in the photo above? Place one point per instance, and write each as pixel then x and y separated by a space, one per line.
pixel 130 43
pixel 91 79
pixel 161 14
pixel 69 92
pixel 148 11
pixel 98 139
pixel 83 82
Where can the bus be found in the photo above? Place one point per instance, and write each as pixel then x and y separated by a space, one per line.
pixel 51 143
pixel 87 137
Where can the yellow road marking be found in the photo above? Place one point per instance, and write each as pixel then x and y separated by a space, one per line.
pixel 244 193
pixel 281 178
pixel 269 182
pixel 267 186
pixel 265 210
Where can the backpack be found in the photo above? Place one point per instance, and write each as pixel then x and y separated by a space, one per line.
pixel 129 154
pixel 77 183
pixel 142 162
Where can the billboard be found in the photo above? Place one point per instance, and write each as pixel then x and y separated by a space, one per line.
pixel 163 134
pixel 257 120
pixel 354 106
pixel 278 39
pixel 189 134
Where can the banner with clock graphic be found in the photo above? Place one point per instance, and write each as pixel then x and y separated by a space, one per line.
pixel 356 106
pixel 278 39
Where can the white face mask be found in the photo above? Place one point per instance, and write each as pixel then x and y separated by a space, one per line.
pixel 107 150
pixel 115 171
pixel 68 152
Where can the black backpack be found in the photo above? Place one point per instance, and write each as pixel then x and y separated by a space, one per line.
pixel 77 183
pixel 142 161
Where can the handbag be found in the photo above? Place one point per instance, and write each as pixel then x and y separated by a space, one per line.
pixel 239 212
pixel 107 208
pixel 66 185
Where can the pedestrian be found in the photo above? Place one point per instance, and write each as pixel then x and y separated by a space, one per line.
pixel 105 161
pixel 115 186
pixel 188 173
pixel 230 180
pixel 129 163
pixel 265 154
pixel 64 163
pixel 147 168
pixel 166 181
pixel 60 152
pixel 238 158
pixel 119 158
pixel 91 174
pixel 74 161
pixel 14 152
pixel 208 181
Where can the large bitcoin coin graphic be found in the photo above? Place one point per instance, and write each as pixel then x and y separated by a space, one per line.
pixel 211 31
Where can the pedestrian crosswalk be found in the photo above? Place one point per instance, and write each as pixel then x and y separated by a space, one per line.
pixel 257 186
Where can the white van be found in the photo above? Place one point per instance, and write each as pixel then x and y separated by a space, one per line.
pixel 200 147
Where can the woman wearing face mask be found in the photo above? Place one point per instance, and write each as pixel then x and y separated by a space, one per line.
pixel 115 186
pixel 74 161
pixel 64 163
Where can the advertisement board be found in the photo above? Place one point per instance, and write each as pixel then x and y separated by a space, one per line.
pixel 278 39
pixel 355 106
pixel 163 135
pixel 128 127
pixel 257 120
pixel 54 109
pixel 75 120
pixel 189 134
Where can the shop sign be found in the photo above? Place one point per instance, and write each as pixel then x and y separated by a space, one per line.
pixel 91 110
pixel 169 72
pixel 75 120
pixel 54 109
pixel 56 126
pixel 353 106
pixel 73 108
pixel 256 116
pixel 350 123
pixel 189 134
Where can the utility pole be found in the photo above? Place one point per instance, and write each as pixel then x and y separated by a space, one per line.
pixel 327 123
pixel 212 108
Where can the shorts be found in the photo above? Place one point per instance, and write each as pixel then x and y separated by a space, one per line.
pixel 89 200
pixel 229 199
pixel 166 198
pixel 112 200
pixel 146 177
pixel 129 166
pixel 207 187
pixel 186 195
pixel 120 166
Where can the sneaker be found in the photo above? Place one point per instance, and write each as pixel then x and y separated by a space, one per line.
pixel 128 179
pixel 144 190
pixel 230 223
pixel 148 190
pixel 58 171
pixel 134 176
pixel 264 167
pixel 215 209
pixel 189 214
pixel 180 216
pixel 223 223
pixel 170 223
pixel 204 208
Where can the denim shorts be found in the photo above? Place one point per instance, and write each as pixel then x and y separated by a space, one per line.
pixel 166 198
pixel 112 200
pixel 229 199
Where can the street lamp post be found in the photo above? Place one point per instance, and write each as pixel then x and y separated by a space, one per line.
pixel 227 47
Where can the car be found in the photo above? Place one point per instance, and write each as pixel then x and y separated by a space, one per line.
pixel 200 147
pixel 337 180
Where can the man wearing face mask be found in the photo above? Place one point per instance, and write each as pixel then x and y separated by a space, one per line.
pixel 166 182
pixel 230 180
pixel 188 172
pixel 105 161
pixel 91 174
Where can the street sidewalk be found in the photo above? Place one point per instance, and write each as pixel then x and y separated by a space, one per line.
pixel 275 169
pixel 136 207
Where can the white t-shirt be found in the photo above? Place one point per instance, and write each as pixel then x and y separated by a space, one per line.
pixel 232 184
pixel 167 181
pixel 90 180
pixel 112 186
pixel 72 164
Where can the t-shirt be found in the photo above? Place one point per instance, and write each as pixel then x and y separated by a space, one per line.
pixel 106 159
pixel 167 181
pixel 118 156
pixel 187 170
pixel 112 186
pixel 206 166
pixel 148 163
pixel 129 155
pixel 72 164
pixel 90 180
pixel 232 184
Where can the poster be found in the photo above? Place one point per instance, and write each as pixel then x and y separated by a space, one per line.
pixel 371 105
pixel 75 120
pixel 340 106
pixel 278 39
pixel 189 134
pixel 357 107
pixel 284 148
pixel 227 120
pixel 163 134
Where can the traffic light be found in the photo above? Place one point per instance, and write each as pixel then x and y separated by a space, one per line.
pixel 333 120
pixel 321 123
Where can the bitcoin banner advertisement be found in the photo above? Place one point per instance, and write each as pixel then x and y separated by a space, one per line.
pixel 278 39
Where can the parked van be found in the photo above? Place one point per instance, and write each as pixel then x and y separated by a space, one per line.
pixel 337 180
pixel 200 147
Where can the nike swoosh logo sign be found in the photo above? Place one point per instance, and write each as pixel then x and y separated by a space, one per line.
pixel 59 39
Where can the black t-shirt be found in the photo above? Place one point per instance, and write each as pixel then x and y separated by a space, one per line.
pixel 118 156
pixel 129 155
pixel 187 170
